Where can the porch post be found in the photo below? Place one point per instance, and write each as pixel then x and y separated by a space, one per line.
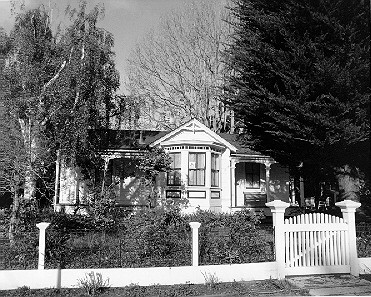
pixel 277 208
pixel 106 163
pixel 267 178
pixel 348 208
pixel 302 199
pixel 233 183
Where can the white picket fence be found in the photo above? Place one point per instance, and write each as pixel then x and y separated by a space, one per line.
pixel 306 244
pixel 315 243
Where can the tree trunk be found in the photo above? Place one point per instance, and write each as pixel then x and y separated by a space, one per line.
pixel 29 183
pixel 106 164
pixel 349 183
pixel 30 146
pixel 14 218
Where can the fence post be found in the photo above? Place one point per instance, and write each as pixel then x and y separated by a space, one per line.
pixel 42 227
pixel 348 208
pixel 277 208
pixel 195 226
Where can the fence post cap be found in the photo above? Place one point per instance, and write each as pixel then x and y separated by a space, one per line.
pixel 42 225
pixel 195 225
pixel 277 205
pixel 349 205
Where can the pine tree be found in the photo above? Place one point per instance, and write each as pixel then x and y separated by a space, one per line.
pixel 301 82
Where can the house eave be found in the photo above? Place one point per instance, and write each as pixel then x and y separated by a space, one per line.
pixel 192 143
pixel 121 153
pixel 201 127
pixel 253 157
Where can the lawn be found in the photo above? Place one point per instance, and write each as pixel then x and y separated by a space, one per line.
pixel 250 288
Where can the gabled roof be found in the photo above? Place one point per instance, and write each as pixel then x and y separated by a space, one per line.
pixel 118 140
pixel 241 149
pixel 194 125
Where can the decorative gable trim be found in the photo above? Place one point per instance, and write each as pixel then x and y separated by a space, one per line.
pixel 194 126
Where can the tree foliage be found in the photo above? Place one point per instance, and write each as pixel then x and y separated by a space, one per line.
pixel 177 70
pixel 61 84
pixel 300 87
pixel 150 164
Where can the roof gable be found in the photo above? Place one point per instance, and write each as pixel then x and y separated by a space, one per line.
pixel 195 133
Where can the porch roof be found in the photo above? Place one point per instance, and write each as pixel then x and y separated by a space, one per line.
pixel 126 139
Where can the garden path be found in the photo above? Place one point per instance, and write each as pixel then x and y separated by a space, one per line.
pixel 333 285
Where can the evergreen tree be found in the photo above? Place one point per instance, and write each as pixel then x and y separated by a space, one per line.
pixel 300 87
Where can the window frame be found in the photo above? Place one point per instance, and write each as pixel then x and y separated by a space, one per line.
pixel 197 169
pixel 173 170
pixel 254 175
pixel 215 170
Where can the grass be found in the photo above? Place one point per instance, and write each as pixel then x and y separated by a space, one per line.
pixel 250 288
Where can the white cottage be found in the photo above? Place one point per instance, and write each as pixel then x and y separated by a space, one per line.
pixel 209 170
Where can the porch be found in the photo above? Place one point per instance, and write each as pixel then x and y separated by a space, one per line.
pixel 257 180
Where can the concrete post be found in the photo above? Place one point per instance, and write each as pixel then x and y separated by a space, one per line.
pixel 348 208
pixel 42 227
pixel 195 226
pixel 277 208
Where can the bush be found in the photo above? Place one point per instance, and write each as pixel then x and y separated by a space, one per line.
pixel 233 238
pixel 155 237
pixel 93 284
pixel 161 237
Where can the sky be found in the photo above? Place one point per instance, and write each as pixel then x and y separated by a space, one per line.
pixel 127 20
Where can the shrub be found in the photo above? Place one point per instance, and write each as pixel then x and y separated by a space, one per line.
pixel 93 283
pixel 211 280
pixel 161 237
pixel 155 237
pixel 232 238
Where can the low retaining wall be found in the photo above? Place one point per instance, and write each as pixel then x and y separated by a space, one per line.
pixel 120 277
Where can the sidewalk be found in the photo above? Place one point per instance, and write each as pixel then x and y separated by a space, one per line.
pixel 332 285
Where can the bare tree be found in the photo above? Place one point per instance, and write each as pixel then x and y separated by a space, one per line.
pixel 177 70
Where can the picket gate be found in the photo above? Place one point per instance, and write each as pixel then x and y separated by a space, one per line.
pixel 316 243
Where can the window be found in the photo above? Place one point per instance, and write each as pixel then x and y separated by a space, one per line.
pixel 196 169
pixel 197 194
pixel 252 171
pixel 171 194
pixel 174 174
pixel 215 195
pixel 215 167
